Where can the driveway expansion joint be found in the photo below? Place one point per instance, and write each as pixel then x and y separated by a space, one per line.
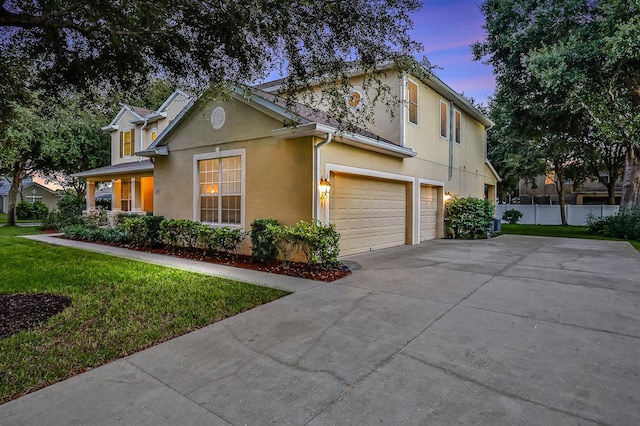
pixel 511 395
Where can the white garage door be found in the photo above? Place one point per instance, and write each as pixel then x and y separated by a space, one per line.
pixel 370 214
pixel 428 212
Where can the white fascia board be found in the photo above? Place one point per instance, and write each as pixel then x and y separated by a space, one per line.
pixel 151 118
pixel 110 128
pixel 348 138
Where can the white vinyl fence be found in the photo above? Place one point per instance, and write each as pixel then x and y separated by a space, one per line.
pixel 540 214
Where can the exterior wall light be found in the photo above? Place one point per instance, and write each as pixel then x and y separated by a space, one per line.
pixel 447 196
pixel 324 188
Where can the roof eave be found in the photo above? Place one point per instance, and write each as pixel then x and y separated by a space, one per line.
pixel 495 173
pixel 348 138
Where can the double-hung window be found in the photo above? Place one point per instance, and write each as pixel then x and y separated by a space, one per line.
pixel 127 143
pixel 413 102
pixel 444 119
pixel 220 187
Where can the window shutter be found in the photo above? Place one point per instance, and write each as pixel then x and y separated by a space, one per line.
pixel 121 144
pixel 133 140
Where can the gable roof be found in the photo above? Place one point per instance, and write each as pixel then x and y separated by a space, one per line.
pixel 306 120
pixel 137 112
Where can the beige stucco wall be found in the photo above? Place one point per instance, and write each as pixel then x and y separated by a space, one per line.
pixel 278 173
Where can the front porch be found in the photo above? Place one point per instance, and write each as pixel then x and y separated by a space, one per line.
pixel 132 186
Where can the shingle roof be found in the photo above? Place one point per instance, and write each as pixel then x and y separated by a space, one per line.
pixel 313 115
pixel 142 112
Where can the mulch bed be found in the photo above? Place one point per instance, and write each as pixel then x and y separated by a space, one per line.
pixel 295 269
pixel 25 311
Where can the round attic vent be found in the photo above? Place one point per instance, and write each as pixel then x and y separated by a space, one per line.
pixel 218 117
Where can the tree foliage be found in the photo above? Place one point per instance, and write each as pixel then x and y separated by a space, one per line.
pixel 571 68
pixel 120 43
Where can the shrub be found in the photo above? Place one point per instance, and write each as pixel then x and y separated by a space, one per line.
pixel 179 232
pixel 264 235
pixel 95 218
pixel 39 210
pixel 24 210
pixel 82 232
pixel 228 239
pixel 69 212
pixel 122 217
pixel 143 230
pixel 469 218
pixel 512 216
pixel 318 243
pixel 624 225
pixel 32 211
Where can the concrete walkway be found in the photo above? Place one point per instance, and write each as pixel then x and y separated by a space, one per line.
pixel 513 330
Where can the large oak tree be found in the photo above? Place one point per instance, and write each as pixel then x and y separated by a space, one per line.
pixel 566 61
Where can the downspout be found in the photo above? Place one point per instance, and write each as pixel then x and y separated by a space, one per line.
pixel 403 110
pixel 451 130
pixel 317 176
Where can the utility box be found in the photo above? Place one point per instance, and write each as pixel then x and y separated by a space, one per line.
pixel 497 225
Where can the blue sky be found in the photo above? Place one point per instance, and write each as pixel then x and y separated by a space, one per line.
pixel 447 28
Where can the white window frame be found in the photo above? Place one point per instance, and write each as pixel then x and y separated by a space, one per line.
pixel 417 103
pixel 217 154
pixel 446 114
pixel 33 198
pixel 457 131
pixel 121 142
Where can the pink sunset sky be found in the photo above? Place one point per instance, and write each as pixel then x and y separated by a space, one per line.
pixel 447 28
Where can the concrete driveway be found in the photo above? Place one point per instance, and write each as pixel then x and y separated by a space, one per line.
pixel 513 330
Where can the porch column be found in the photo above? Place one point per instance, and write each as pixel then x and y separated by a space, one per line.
pixel 136 195
pixel 91 195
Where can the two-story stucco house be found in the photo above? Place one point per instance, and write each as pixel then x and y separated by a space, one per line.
pixel 229 161
pixel 133 129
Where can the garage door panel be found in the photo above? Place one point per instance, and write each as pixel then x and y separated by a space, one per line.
pixel 369 213
pixel 428 212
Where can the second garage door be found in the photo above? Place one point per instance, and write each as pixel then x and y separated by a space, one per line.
pixel 370 214
pixel 428 213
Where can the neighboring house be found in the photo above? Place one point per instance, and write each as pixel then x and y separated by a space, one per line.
pixel 591 192
pixel 230 161
pixel 30 192
pixel 132 177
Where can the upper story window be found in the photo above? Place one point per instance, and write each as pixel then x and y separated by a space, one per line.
pixel 444 119
pixel 458 123
pixel 413 102
pixel 127 142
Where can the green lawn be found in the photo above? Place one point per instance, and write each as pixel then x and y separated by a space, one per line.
pixel 118 307
pixel 558 231
pixel 4 218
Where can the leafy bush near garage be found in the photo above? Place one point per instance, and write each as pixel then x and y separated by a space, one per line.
pixel 469 218
pixel 624 225
pixel 264 240
pixel 318 242
pixel 512 216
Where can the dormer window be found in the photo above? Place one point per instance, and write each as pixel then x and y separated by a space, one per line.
pixel 127 142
